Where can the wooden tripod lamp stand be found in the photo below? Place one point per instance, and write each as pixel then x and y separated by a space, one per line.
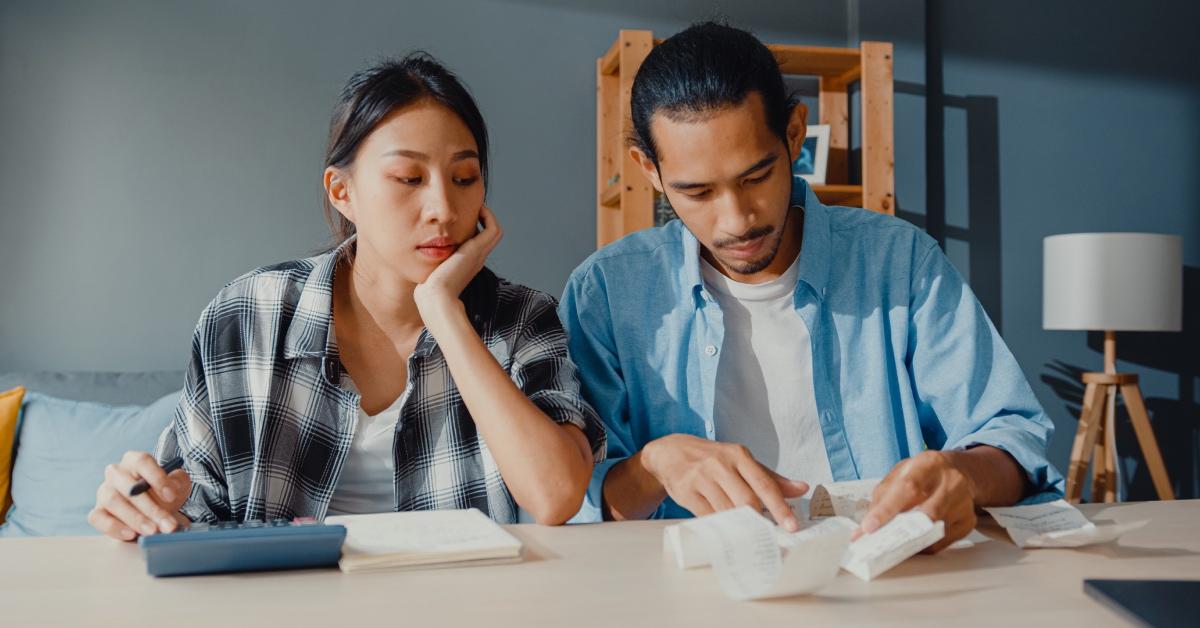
pixel 1112 282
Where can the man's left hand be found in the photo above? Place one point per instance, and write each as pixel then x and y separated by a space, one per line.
pixel 931 482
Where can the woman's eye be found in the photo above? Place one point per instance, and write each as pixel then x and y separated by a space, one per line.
pixel 466 181
pixel 409 180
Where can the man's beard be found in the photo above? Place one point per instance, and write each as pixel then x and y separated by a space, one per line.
pixel 757 265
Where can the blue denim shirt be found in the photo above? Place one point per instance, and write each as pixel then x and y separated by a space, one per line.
pixel 904 357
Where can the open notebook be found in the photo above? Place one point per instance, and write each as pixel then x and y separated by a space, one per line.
pixel 427 538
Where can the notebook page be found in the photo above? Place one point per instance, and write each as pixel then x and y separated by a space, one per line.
pixel 423 532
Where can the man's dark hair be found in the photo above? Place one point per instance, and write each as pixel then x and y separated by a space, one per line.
pixel 374 93
pixel 701 70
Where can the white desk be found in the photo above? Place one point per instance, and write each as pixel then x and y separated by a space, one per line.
pixel 611 574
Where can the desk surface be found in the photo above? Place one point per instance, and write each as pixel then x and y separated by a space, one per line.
pixel 610 574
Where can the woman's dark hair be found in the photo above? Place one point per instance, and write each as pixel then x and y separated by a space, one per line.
pixel 372 94
pixel 703 69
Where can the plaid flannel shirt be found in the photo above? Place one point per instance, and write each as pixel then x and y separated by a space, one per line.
pixel 264 429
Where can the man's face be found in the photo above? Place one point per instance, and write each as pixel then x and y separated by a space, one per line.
pixel 729 179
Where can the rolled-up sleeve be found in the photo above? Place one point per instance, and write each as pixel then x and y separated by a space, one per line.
pixel 191 437
pixel 584 314
pixel 968 387
pixel 543 370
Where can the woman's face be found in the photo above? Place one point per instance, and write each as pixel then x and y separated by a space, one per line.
pixel 413 191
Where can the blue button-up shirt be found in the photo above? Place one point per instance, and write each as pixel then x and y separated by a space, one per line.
pixel 904 357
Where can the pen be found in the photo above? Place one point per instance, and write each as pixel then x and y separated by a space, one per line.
pixel 142 486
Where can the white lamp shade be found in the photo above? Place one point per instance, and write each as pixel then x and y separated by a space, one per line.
pixel 1113 282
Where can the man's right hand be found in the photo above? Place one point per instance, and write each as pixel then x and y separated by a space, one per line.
pixel 705 476
pixel 157 510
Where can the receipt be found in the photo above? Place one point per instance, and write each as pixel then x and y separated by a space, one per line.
pixel 753 559
pixel 1056 524
pixel 843 499
pixel 906 534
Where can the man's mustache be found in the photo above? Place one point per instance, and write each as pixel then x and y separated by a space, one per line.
pixel 749 236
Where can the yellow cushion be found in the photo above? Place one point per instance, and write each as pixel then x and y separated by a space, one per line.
pixel 10 407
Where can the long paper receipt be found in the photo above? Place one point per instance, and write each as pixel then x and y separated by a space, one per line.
pixel 754 559
pixel 750 558
pixel 1056 524
pixel 852 499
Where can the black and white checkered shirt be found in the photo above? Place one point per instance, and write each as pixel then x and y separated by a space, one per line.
pixel 265 430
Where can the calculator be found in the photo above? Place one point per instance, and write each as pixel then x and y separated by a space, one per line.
pixel 247 546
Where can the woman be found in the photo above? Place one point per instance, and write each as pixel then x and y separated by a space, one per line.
pixel 393 372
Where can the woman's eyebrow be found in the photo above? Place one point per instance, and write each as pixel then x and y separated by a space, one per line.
pixel 419 156
pixel 402 152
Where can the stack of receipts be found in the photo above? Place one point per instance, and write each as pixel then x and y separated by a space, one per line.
pixel 754 558
pixel 1056 524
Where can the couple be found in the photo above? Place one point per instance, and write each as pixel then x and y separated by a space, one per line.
pixel 760 343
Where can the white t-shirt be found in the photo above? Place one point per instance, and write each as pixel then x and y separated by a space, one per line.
pixel 367 482
pixel 764 397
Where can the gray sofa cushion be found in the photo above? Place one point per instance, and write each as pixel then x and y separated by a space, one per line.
pixel 104 387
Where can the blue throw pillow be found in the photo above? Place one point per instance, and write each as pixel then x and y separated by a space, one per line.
pixel 62 448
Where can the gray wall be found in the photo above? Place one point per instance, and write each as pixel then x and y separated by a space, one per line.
pixel 152 151
pixel 1062 117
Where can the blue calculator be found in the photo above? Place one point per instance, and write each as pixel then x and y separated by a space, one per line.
pixel 249 546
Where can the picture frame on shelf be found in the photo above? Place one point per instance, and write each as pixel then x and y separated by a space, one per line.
pixel 813 159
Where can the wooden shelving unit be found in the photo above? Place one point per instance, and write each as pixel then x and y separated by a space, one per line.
pixel 625 199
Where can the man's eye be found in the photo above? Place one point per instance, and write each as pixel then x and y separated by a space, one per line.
pixel 698 195
pixel 466 181
pixel 759 179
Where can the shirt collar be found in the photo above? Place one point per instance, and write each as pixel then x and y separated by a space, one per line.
pixel 814 246
pixel 308 331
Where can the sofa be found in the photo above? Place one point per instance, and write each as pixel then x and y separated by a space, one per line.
pixel 69 426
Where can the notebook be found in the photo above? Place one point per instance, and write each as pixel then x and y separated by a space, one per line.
pixel 426 538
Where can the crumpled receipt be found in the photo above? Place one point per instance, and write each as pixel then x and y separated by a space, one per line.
pixel 751 560
pixel 850 499
pixel 897 540
pixel 1056 524
pixel 755 559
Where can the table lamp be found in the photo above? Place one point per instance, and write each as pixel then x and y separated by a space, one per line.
pixel 1112 282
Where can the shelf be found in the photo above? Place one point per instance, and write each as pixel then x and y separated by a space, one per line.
pixel 611 61
pixel 816 60
pixel 611 196
pixel 804 60
pixel 839 194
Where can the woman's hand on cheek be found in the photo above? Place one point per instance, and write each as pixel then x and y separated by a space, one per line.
pixel 450 278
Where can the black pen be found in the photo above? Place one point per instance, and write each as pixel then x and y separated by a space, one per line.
pixel 142 486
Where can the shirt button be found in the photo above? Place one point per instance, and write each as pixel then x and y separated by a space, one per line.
pixel 710 350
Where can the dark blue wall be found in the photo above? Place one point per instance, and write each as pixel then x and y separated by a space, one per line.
pixel 1061 117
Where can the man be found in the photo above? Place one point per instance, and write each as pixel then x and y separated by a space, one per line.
pixel 764 342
